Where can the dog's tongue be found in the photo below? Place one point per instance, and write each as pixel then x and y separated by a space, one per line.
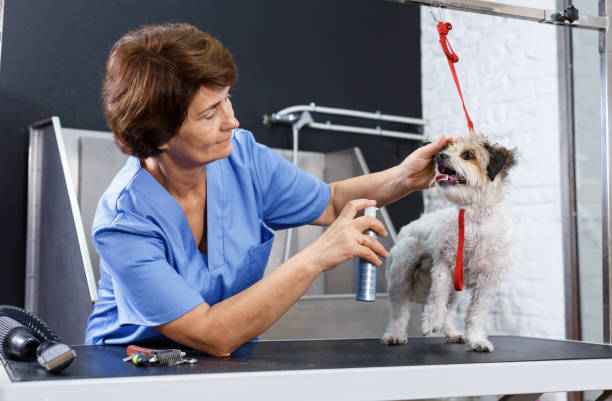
pixel 451 178
pixel 442 177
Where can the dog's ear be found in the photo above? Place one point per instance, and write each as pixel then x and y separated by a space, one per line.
pixel 501 160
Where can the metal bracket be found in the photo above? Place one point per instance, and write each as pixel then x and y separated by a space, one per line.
pixel 518 12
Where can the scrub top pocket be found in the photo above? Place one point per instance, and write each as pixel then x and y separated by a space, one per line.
pixel 258 256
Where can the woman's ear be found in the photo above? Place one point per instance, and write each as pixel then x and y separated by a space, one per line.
pixel 164 146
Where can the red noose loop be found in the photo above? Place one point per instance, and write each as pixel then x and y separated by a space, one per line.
pixel 452 58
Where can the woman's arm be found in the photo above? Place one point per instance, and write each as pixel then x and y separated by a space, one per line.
pixel 220 329
pixel 415 172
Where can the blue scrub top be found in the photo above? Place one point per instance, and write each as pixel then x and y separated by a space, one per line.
pixel 151 270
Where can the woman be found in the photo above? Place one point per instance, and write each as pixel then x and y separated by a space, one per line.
pixel 180 231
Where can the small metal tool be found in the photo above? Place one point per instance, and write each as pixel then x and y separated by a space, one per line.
pixel 138 359
pixel 140 356
pixel 185 360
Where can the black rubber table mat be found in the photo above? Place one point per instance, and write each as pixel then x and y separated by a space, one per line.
pixel 100 361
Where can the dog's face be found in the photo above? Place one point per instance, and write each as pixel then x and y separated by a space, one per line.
pixel 473 171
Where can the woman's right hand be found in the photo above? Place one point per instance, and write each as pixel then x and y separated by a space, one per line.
pixel 345 239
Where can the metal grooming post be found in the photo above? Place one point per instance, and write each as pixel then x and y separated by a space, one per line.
pixel 599 23
pixel 605 43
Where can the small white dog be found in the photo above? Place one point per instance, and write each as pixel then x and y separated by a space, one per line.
pixel 472 174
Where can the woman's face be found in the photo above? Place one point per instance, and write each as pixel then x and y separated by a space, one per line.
pixel 205 135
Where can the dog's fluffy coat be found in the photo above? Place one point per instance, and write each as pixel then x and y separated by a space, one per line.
pixel 472 174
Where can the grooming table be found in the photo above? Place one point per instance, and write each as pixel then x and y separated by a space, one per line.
pixel 426 367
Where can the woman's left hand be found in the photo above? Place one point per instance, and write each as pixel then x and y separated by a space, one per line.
pixel 418 168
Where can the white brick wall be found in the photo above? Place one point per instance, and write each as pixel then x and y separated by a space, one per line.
pixel 509 76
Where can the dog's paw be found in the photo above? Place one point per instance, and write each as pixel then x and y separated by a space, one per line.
pixel 430 327
pixel 432 323
pixel 481 345
pixel 456 338
pixel 393 339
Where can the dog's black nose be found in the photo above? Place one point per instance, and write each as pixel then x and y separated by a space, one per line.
pixel 440 157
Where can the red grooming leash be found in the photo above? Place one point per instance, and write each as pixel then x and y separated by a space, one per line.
pixel 459 264
pixel 452 58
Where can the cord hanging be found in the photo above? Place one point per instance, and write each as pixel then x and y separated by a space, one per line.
pixel 452 58
pixel 434 16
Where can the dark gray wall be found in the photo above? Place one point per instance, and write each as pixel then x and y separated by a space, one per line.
pixel 360 54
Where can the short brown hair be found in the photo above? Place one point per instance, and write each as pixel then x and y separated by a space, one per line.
pixel 152 74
